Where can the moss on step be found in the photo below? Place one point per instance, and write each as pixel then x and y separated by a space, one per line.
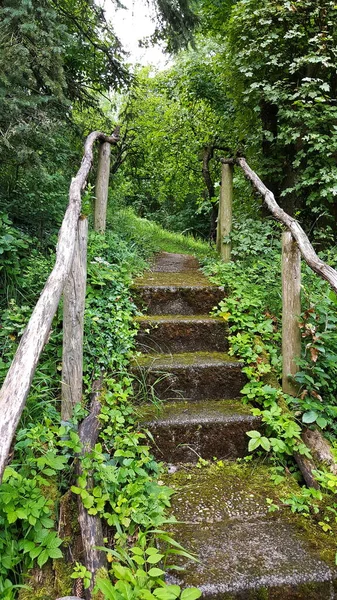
pixel 229 489
pixel 170 410
pixel 176 279
pixel 233 491
pixel 177 318
pixel 185 359
pixel 184 432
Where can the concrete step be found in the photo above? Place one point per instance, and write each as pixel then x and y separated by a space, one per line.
pixel 171 262
pixel 184 432
pixel 174 299
pixel 168 333
pixel 243 552
pixel 189 376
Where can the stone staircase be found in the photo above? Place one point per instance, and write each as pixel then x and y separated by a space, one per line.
pixel 244 552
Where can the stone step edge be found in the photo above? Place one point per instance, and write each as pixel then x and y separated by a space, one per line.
pixel 172 318
pixel 174 287
pixel 176 361
pixel 197 413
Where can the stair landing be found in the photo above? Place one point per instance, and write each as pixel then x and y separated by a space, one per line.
pixel 243 552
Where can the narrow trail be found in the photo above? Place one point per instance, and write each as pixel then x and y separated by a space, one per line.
pixel 244 552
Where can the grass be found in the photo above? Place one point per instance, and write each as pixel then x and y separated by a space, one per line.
pixel 150 238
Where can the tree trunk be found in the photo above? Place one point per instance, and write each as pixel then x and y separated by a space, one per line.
pixel 225 212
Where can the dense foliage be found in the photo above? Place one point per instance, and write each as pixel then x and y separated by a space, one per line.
pixel 285 80
pixel 125 487
pixel 260 80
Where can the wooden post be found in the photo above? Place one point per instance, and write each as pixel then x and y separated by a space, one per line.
pixel 102 187
pixel 73 322
pixel 291 310
pixel 91 525
pixel 224 226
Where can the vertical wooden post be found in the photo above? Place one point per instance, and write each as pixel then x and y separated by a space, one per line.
pixel 224 226
pixel 102 187
pixel 73 320
pixel 291 310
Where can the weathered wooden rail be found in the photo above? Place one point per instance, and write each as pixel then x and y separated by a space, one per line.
pixel 295 244
pixel 68 277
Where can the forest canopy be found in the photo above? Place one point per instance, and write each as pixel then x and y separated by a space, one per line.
pixel 251 77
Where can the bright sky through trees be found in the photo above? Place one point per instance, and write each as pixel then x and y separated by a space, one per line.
pixel 133 24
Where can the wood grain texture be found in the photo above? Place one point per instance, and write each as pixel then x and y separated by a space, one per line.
pixel 307 468
pixel 16 386
pixel 291 310
pixel 91 525
pixel 102 187
pixel 73 324
pixel 320 449
pixel 224 226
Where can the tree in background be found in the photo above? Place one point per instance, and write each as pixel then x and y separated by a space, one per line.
pixel 57 59
pixel 279 61
pixel 176 123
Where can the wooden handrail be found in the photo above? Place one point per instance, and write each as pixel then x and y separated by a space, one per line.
pixel 16 386
pixel 304 246
pixel 294 244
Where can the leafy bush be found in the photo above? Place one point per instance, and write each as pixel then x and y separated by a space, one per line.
pixel 253 312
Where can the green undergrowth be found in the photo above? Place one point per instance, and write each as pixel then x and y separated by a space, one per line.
pixel 252 309
pixel 148 237
pixel 120 480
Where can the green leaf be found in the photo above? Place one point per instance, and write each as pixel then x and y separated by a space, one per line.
pixel 155 572
pixel 119 571
pixel 168 592
pixel 190 594
pixel 125 589
pixel 136 550
pixel 55 553
pixel 12 517
pixel 321 422
pixel 151 550
pixel 43 557
pixel 254 434
pixel 146 595
pixel 28 546
pixel 265 443
pixel 82 482
pixel 153 559
pixel 309 417
pixel 46 522
pixel 107 588
pixel 253 444
pixel 35 552
pixel 52 541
